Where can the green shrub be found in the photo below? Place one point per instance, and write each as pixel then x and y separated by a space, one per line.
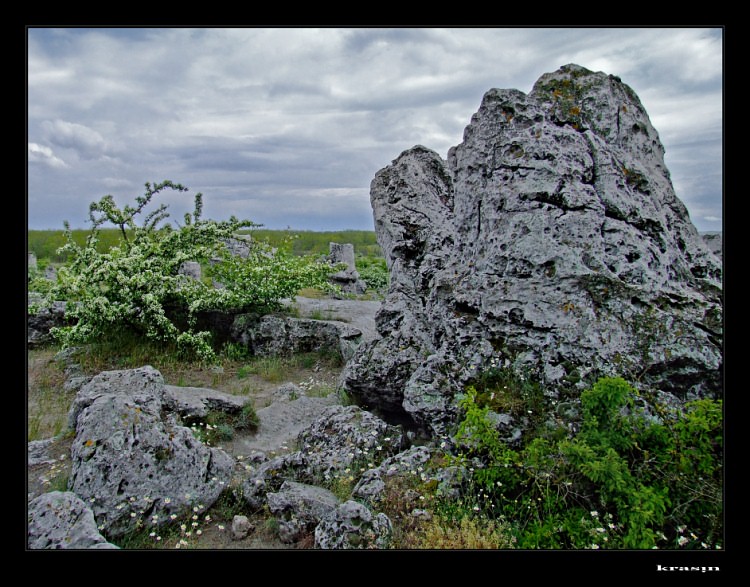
pixel 137 285
pixel 625 480
pixel 374 272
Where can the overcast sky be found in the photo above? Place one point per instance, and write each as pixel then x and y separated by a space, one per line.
pixel 288 126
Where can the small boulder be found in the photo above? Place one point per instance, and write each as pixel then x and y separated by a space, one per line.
pixel 299 508
pixel 353 526
pixel 241 527
pixel 61 520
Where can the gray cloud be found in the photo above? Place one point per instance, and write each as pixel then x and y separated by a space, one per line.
pixel 86 142
pixel 287 126
pixel 44 155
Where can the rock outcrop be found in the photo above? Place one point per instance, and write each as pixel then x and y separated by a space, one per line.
pixel 193 403
pixel 551 243
pixel 299 508
pixel 341 443
pixel 132 461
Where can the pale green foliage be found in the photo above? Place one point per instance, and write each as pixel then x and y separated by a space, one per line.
pixel 137 286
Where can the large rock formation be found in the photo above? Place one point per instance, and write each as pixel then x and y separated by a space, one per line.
pixel 551 242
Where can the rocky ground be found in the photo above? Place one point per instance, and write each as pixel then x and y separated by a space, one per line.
pixel 280 422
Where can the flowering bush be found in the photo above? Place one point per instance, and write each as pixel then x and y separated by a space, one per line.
pixel 138 285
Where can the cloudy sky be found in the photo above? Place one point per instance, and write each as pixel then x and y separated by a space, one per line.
pixel 288 126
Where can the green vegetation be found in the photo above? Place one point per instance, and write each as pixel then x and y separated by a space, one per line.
pixel 625 480
pixel 45 244
pixel 220 426
pixel 307 242
pixel 136 285
pixel 374 272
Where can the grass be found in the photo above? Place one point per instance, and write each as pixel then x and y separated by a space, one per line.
pixel 44 243
pixel 48 403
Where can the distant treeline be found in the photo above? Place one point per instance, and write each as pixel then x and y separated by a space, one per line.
pixel 44 243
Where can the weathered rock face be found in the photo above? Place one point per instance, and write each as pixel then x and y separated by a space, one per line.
pixel 131 461
pixel 371 485
pixel 552 239
pixel 715 243
pixel 192 269
pixel 61 520
pixel 341 442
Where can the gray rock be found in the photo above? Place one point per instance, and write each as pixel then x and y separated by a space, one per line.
pixel 132 461
pixel 552 239
pixel 410 462
pixel 353 526
pixel 344 436
pixel 40 323
pixel 69 356
pixel 348 279
pixel 340 441
pixel 61 520
pixel 239 245
pixel 34 298
pixel 241 527
pixel 505 424
pixel 197 402
pixel 270 475
pixel 38 452
pixel 277 335
pixel 299 508
pixel 421 514
pixel 450 481
pixel 715 242
pixel 32 261
pixel 192 269
pixel 75 383
pixel 359 314
pixel 288 392
pixel 280 423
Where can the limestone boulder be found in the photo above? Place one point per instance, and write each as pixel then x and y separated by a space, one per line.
pixel 551 241
pixel 299 508
pixel 353 526
pixel 132 460
pixel 60 521
pixel 279 336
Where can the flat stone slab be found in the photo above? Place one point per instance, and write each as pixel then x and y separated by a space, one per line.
pixel 280 424
pixel 357 313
